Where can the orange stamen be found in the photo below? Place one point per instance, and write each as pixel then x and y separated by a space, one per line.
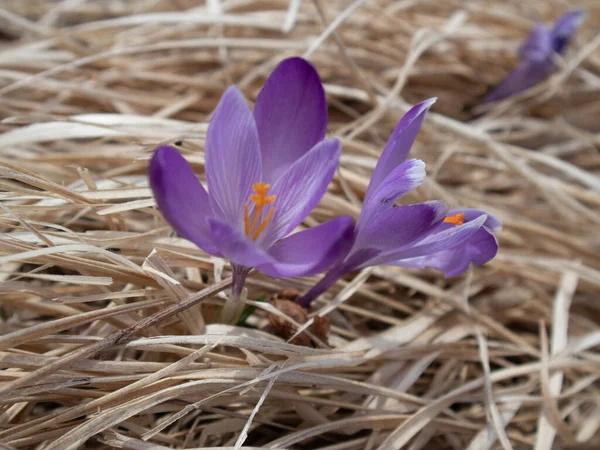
pixel 457 219
pixel 252 225
pixel 263 225
pixel 246 220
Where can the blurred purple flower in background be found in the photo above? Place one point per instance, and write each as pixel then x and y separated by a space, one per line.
pixel 537 55
pixel 265 172
pixel 419 235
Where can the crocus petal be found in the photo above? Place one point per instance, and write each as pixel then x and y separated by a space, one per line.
pixel 291 115
pixel 564 28
pixel 432 243
pixel 480 248
pixel 399 226
pixel 538 45
pixel 300 188
pixel 404 178
pixel 235 246
pixel 232 157
pixel 311 251
pixel 492 223
pixel 302 254
pixel 526 75
pixel 398 145
pixel 536 54
pixel 180 197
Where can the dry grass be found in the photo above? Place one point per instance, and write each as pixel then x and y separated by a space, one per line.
pixel 97 353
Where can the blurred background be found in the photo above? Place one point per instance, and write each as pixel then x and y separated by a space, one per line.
pixel 504 357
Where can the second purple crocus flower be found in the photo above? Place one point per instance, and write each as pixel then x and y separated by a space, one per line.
pixel 419 235
pixel 537 56
pixel 265 171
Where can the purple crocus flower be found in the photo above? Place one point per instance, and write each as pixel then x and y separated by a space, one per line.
pixel 418 235
pixel 537 56
pixel 265 172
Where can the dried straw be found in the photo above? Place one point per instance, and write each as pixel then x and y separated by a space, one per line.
pixel 107 320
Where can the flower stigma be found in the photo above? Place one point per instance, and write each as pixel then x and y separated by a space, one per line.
pixel 253 225
pixel 456 219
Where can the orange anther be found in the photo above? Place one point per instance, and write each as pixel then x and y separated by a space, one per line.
pixel 456 219
pixel 261 188
pixel 252 225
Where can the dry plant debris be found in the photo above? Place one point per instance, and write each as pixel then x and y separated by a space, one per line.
pixel 108 334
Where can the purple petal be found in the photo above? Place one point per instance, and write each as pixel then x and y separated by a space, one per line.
pixel 564 29
pixel 538 45
pixel 402 179
pixel 232 157
pixel 300 188
pixel 399 144
pixel 433 243
pixel 235 246
pixel 305 253
pixel 526 75
pixel 492 223
pixel 311 251
pixel 480 248
pixel 399 226
pixel 291 115
pixel 536 67
pixel 180 197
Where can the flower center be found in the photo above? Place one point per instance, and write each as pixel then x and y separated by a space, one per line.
pixel 456 219
pixel 252 224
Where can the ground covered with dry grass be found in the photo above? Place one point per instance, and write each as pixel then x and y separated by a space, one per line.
pixel 109 333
